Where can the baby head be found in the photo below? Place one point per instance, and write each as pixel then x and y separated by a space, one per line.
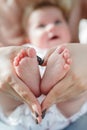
pixel 46 25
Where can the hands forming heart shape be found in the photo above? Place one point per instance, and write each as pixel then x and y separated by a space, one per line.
pixel 27 68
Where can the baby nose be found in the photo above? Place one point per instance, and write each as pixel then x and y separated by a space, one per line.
pixel 50 27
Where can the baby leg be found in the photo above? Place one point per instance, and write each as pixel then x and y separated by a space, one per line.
pixel 26 67
pixel 58 65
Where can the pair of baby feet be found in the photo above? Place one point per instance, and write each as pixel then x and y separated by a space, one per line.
pixel 26 67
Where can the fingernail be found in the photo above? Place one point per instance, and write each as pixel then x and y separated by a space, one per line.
pixel 36 114
pixel 40 61
pixel 36 121
pixel 43 113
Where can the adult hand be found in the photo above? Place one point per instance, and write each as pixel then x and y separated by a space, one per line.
pixel 75 81
pixel 11 84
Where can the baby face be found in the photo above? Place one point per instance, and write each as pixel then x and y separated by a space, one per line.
pixel 47 28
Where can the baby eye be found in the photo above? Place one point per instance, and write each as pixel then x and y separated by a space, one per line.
pixel 57 22
pixel 41 26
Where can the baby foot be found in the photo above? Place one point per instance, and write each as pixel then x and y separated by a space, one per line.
pixel 58 65
pixel 26 67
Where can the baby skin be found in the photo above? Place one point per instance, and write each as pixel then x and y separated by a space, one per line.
pixel 58 65
pixel 27 69
pixel 26 66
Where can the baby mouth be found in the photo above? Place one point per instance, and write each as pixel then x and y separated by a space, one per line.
pixel 54 38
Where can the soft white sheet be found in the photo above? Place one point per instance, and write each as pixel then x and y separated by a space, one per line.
pixel 83 31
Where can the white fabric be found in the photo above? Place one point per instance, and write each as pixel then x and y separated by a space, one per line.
pixel 53 120
pixel 83 31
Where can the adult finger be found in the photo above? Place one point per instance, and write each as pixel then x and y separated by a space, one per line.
pixel 19 91
pixel 56 92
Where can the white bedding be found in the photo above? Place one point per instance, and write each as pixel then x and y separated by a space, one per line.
pixel 83 31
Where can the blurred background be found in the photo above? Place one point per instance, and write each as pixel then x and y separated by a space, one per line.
pixel 11 16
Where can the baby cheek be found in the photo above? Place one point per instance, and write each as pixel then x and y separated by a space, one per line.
pixel 42 40
pixel 66 36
